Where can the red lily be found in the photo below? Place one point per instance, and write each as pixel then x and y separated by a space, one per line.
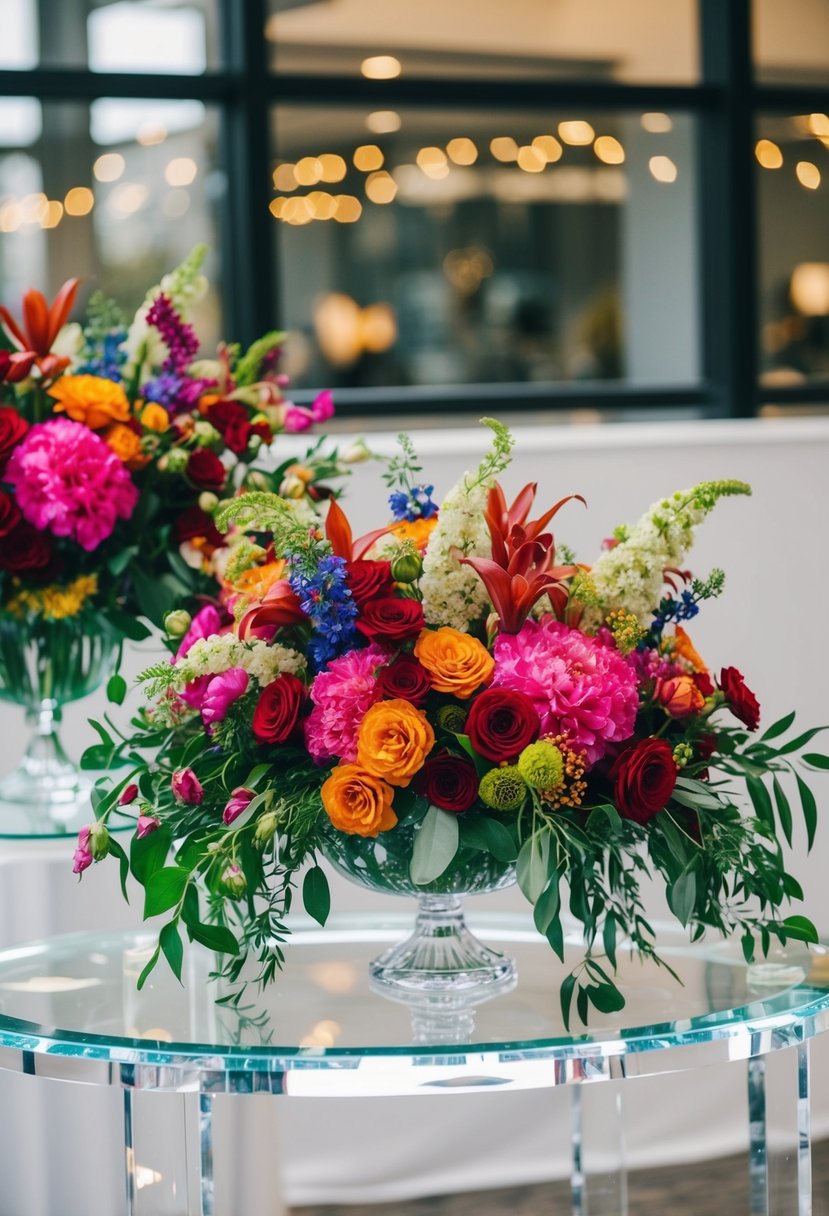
pixel 279 606
pixel 521 569
pixel 338 532
pixel 40 326
pixel 15 367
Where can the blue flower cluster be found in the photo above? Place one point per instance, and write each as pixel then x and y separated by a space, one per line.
pixel 164 389
pixel 326 600
pixel 105 356
pixel 414 503
pixel 683 609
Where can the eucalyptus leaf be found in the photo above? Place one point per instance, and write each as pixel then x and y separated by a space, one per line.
pixel 435 845
pixel 316 895
pixel 682 896
pixel 533 866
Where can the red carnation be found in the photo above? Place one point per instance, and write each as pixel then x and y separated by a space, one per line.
pixel 25 549
pixel 405 679
pixel 390 619
pixel 231 421
pixel 448 782
pixel 703 682
pixel 501 723
pixel 205 471
pixel 739 697
pixel 367 579
pixel 195 523
pixel 12 430
pixel 9 513
pixel 644 776
pixel 278 709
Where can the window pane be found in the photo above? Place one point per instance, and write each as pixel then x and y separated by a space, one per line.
pixel 475 248
pixel 180 36
pixel 793 173
pixel 599 39
pixel 791 41
pixel 118 193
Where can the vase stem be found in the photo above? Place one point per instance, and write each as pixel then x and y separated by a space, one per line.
pixel 45 782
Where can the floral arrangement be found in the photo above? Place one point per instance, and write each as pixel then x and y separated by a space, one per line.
pixel 456 682
pixel 116 442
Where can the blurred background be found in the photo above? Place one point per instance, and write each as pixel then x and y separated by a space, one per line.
pixel 550 203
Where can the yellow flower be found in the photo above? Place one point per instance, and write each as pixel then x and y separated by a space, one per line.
pixel 92 400
pixel 456 662
pixel 126 445
pixel 154 417
pixel 417 531
pixel 54 603
pixel 394 740
pixel 358 802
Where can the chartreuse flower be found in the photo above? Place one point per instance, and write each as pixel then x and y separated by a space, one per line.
pixel 503 789
pixel 541 764
pixel 452 718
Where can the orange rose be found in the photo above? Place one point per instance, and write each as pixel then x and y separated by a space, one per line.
pixel 92 400
pixel 679 696
pixel 358 802
pixel 456 662
pixel 126 445
pixel 685 649
pixel 417 531
pixel 394 741
pixel 154 417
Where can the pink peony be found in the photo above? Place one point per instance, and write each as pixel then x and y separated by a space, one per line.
pixel 221 692
pixel 342 694
pixel 581 687
pixel 204 624
pixel 69 481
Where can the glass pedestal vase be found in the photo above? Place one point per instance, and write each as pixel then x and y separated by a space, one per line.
pixel 44 665
pixel 441 966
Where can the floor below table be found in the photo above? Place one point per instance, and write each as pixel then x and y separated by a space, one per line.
pixel 719 1187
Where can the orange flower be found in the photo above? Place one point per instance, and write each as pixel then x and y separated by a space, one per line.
pixel 394 741
pixel 685 649
pixel 208 399
pixel 154 417
pixel 92 400
pixel 417 531
pixel 259 579
pixel 456 662
pixel 126 445
pixel 679 696
pixel 358 802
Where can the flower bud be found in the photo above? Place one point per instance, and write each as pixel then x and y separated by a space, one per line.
pixel 257 480
pixel 265 830
pixel 254 443
pixel 147 824
pixel 82 859
pixel 177 623
pixel 208 501
pixel 175 461
pixel 292 487
pixel 205 433
pixel 679 696
pixel 187 787
pixel 98 841
pixel 128 794
pixel 240 799
pixel 234 881
pixel 406 567
pixel 356 453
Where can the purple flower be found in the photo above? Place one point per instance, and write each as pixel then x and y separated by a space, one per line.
pixel 147 824
pixel 239 801
pixel 179 337
pixel 187 787
pixel 222 691
pixel 82 859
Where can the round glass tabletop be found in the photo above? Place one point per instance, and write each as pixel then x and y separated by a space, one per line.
pixel 69 1007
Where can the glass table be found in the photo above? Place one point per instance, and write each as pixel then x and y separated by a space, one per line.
pixel 69 1009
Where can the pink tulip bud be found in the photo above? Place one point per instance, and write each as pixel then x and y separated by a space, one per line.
pixel 234 881
pixel 187 787
pixel 147 824
pixel 297 419
pixel 322 407
pixel 128 794
pixel 82 859
pixel 239 801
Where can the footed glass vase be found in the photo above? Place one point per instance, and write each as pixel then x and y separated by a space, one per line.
pixel 441 967
pixel 43 666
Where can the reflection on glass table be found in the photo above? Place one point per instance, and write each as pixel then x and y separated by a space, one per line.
pixel 70 1008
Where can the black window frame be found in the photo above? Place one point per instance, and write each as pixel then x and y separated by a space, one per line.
pixel 726 102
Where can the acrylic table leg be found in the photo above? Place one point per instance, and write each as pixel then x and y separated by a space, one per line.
pixel 779 1118
pixel 206 1153
pixel 129 1149
pixel 598 1178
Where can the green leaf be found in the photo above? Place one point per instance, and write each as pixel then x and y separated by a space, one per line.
pixel 163 889
pixel 792 887
pixel 566 998
pixel 214 937
pixel 315 894
pixel 761 799
pixel 801 929
pixel 435 844
pixel 116 689
pixel 609 937
pixel 555 936
pixel 170 941
pixel 98 756
pixel 547 906
pixel 533 866
pixel 816 760
pixel 784 811
pixel 778 728
pixel 154 957
pixel 582 1004
pixel 682 896
pixel 148 853
pixel 606 997
pixel 747 943
pixel 696 794
pixel 115 849
pixel 794 745
pixel 807 802
pixel 127 624
pixel 481 832
pixel 608 812
pixel 256 774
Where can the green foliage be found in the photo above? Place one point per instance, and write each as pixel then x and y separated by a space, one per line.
pixel 247 370
pixel 435 844
pixel 402 470
pixel 497 458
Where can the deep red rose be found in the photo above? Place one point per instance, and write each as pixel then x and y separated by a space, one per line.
pixel 263 430
pixel 390 619
pixel 231 421
pixel 278 709
pixel 9 513
pixel 405 678
pixel 205 471
pixel 703 682
pixel 25 550
pixel 368 579
pixel 739 697
pixel 448 782
pixel 501 723
pixel 706 745
pixel 194 523
pixel 12 430
pixel 644 776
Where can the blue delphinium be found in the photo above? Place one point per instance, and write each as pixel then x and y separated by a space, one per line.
pixel 413 503
pixel 326 600
pixel 105 356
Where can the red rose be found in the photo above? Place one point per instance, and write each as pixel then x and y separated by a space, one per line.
pixel 9 513
pixel 390 619
pixel 205 471
pixel 194 523
pixel 231 421
pixel 703 682
pixel 644 776
pixel 501 723
pixel 278 709
pixel 263 430
pixel 12 430
pixel 367 579
pixel 706 746
pixel 25 549
pixel 448 782
pixel 405 679
pixel 739 697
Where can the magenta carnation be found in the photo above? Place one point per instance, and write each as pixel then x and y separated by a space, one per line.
pixel 204 624
pixel 69 481
pixel 341 695
pixel 581 687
